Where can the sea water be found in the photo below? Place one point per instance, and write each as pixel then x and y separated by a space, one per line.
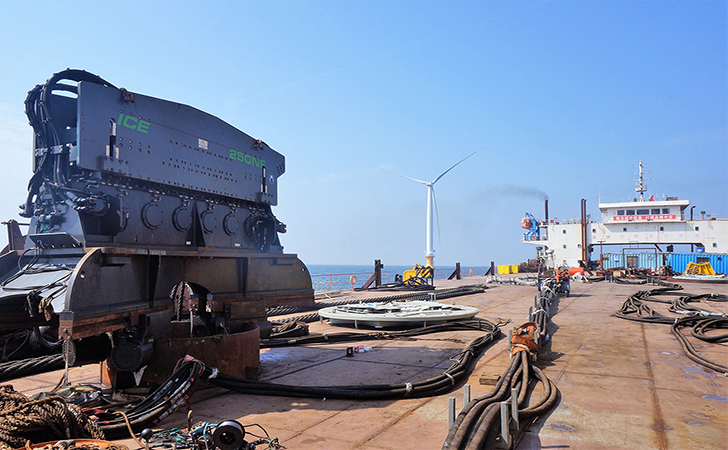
pixel 332 277
pixel 327 277
pixel 325 269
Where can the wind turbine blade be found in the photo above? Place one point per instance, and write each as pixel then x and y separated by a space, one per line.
pixel 437 216
pixel 394 173
pixel 448 170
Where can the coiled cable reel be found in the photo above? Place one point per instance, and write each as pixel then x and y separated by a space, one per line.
pixel 229 435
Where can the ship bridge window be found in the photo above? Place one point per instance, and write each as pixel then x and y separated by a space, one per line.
pixel 643 211
pixel 697 228
pixel 665 210
pixel 655 211
pixel 620 212
pixel 630 212
pixel 564 231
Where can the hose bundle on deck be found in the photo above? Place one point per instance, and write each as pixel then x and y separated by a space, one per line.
pixel 478 426
pixel 336 338
pixel 699 325
pixel 634 308
pixel 433 386
pixel 161 403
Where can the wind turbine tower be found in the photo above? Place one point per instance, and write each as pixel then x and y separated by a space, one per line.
pixel 431 208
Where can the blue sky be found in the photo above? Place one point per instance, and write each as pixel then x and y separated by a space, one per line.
pixel 563 98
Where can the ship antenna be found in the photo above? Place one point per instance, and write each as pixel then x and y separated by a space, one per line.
pixel 640 187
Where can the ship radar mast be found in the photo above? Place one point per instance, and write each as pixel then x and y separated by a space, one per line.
pixel 640 187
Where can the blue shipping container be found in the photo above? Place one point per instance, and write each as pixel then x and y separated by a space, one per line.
pixel 678 261
pixel 635 260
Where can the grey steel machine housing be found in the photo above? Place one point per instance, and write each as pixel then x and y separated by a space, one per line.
pixel 131 195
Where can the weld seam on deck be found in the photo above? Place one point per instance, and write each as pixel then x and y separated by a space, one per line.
pixel 658 424
pixel 394 422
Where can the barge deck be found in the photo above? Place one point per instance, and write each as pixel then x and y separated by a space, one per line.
pixel 623 384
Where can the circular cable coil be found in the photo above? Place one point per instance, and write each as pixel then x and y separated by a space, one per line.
pixel 394 314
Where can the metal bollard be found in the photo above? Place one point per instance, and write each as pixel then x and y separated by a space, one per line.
pixel 514 409
pixel 510 343
pixel 509 420
pixel 451 412
pixel 505 431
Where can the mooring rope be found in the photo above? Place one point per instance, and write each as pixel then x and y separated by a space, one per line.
pixel 63 445
pixel 23 419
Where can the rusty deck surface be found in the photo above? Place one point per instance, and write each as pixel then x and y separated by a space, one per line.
pixel 623 384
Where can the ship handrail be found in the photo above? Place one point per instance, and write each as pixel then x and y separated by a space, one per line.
pixel 331 282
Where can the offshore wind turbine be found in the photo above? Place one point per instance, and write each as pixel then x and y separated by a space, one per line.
pixel 431 206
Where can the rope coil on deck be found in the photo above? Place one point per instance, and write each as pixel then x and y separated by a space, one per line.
pixel 23 419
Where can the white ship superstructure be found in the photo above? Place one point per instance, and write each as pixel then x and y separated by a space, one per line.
pixel 641 224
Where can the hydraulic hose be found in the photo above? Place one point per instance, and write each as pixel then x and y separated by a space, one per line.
pixel 471 417
pixel 433 386
pixel 479 423
pixel 38 109
pixel 634 308
pixel 699 323
pixel 160 404
pixel 336 338
pixel 702 326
